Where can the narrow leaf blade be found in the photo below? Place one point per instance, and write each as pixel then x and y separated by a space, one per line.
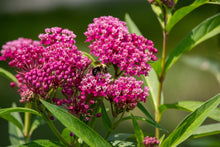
pixel 105 118
pixel 207 29
pixel 76 126
pixel 190 106
pixel 138 132
pixel 7 75
pixel 17 109
pixel 206 130
pixel 131 25
pixel 191 123
pixel 180 13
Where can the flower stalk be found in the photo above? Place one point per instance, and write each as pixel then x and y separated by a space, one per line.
pixel 27 122
pixel 161 76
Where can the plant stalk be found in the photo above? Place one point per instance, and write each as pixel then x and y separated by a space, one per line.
pixel 55 131
pixel 27 122
pixel 161 79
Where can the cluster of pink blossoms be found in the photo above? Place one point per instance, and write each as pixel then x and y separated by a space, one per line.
pixel 150 141
pixel 55 62
pixel 112 43
pixel 126 92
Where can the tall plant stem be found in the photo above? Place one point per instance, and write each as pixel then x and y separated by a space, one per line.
pixel 55 131
pixel 27 122
pixel 161 79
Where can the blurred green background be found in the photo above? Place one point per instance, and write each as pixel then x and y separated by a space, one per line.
pixel 20 18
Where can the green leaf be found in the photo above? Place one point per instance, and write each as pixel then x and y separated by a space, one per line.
pixel 138 132
pixel 36 123
pixel 216 2
pixel 42 143
pixel 191 123
pixel 17 109
pixel 151 121
pixel 189 106
pixel 153 83
pixel 13 120
pixel 66 134
pixel 16 136
pixel 159 14
pixel 206 130
pixel 89 56
pixel 131 25
pixel 180 13
pixel 119 143
pixel 76 126
pixel 119 136
pixel 105 118
pixel 7 75
pixel 145 120
pixel 207 29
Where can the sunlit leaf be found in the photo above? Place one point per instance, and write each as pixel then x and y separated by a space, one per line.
pixel 180 13
pixel 189 125
pixel 15 131
pixel 190 106
pixel 76 126
pixel 119 136
pixel 7 75
pixel 89 56
pixel 17 109
pixel 153 84
pixel 206 130
pixel 121 143
pixel 207 29
pixel 138 132
pixel 131 25
pixel 66 135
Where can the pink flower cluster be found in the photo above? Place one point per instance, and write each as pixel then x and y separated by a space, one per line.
pixel 96 86
pixel 23 53
pixel 55 35
pixel 126 92
pixel 150 141
pixel 112 43
pixel 42 69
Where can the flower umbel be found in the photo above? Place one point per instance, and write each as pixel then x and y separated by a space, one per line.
pixel 125 92
pixel 114 45
pixel 151 142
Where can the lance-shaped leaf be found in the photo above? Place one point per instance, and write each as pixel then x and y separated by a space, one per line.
pixel 180 13
pixel 15 132
pixel 105 118
pixel 138 132
pixel 17 109
pixel 153 84
pixel 7 75
pixel 207 29
pixel 188 126
pixel 131 25
pixel 189 106
pixel 206 130
pixel 76 126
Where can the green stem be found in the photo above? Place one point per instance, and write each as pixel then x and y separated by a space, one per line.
pixel 161 79
pixel 115 125
pixel 55 131
pixel 27 122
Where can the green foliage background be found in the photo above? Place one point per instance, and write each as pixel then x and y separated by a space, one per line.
pixel 183 82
